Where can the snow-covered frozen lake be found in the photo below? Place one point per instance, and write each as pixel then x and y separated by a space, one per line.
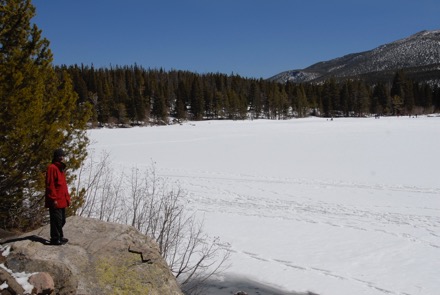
pixel 342 207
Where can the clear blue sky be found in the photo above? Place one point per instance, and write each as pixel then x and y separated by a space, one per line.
pixel 251 38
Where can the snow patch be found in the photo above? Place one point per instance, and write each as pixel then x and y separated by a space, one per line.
pixel 22 278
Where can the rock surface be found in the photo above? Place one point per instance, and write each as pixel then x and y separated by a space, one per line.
pixel 100 258
pixel 43 283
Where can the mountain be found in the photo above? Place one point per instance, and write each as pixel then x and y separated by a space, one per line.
pixel 418 55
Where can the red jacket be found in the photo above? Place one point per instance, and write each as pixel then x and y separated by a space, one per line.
pixel 57 194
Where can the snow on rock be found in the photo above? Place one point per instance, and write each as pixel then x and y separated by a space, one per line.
pixel 22 278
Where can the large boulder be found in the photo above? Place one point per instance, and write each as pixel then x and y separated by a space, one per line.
pixel 100 258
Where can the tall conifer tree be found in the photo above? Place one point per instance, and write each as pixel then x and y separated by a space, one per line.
pixel 39 113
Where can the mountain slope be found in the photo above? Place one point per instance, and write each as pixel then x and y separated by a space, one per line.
pixel 419 54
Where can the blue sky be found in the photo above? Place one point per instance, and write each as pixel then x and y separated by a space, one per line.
pixel 251 38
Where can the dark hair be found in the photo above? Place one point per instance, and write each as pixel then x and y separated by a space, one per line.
pixel 58 153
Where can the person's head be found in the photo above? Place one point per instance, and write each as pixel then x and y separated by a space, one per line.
pixel 58 155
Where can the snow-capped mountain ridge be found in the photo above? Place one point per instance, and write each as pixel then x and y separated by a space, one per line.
pixel 419 52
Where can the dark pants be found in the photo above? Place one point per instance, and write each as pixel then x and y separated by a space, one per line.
pixel 57 221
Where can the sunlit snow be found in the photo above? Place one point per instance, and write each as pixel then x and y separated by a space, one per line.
pixel 342 207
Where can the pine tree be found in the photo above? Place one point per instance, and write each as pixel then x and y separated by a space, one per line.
pixel 426 98
pixel 159 106
pixel 403 88
pixel 330 95
pixel 39 113
pixel 362 99
pixel 197 101
pixel 398 86
pixel 345 98
pixel 181 98
pixel 381 99
pixel 255 100
pixel 301 101
pixel 409 97
pixel 436 98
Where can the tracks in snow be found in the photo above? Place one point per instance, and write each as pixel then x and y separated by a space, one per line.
pixel 399 213
pixel 314 271
pixel 311 201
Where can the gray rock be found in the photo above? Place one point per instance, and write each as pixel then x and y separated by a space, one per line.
pixel 100 258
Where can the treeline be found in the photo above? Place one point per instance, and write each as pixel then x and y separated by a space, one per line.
pixel 134 95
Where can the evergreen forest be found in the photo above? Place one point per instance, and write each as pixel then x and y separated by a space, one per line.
pixel 134 95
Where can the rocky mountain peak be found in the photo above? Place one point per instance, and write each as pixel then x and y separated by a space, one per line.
pixel 419 52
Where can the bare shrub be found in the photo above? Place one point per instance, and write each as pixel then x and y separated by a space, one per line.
pixel 148 202
pixel 102 189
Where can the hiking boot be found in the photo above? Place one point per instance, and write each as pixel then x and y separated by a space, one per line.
pixel 55 242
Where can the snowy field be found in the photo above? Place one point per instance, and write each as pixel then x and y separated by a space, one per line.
pixel 343 207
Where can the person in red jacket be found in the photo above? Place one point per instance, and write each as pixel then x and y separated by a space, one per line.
pixel 57 197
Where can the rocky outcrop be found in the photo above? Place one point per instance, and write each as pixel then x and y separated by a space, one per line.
pixel 100 258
